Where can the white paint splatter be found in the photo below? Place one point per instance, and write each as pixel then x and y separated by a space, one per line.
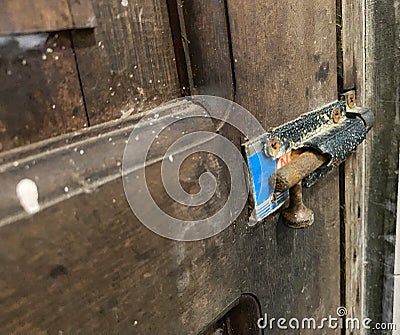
pixel 127 113
pixel 28 195
pixel 171 159
pixel 26 42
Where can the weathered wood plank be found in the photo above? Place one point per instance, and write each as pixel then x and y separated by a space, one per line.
pixel 209 47
pixel 285 60
pixel 40 95
pixel 127 64
pixel 90 266
pixel 82 13
pixel 382 95
pixel 353 18
pixel 28 16
pixel 285 65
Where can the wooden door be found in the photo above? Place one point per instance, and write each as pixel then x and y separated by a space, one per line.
pixel 85 264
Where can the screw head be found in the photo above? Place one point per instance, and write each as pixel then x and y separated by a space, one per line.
pixel 336 114
pixel 351 100
pixel 272 147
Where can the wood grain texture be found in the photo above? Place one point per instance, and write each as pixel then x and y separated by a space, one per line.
pixel 89 266
pixel 30 16
pixel 40 94
pixel 82 13
pixel 353 16
pixel 285 60
pixel 382 88
pixel 241 318
pixel 208 43
pixel 285 65
pixel 127 64
pixel 85 264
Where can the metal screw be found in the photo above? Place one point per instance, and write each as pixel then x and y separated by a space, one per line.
pixel 351 100
pixel 272 147
pixel 336 114
pixel 297 215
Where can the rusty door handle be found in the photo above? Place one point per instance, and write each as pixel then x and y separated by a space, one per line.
pixel 290 177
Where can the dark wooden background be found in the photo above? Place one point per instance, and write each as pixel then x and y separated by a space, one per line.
pixel 86 264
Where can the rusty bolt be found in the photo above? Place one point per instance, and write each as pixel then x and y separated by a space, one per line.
pixel 336 114
pixel 301 165
pixel 297 215
pixel 351 100
pixel 272 147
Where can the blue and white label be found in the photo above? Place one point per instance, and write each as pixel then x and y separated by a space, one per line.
pixel 266 200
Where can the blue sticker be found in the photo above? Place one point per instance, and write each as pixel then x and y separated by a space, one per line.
pixel 266 201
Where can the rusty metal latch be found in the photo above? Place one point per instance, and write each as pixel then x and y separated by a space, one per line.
pixel 301 152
